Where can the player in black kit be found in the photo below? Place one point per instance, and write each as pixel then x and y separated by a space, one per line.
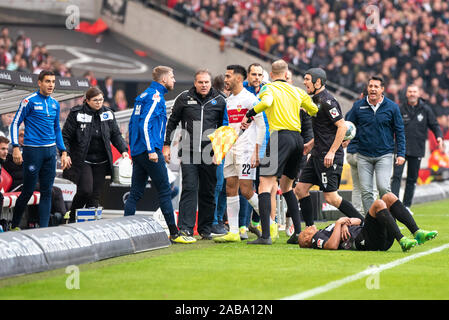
pixel 325 164
pixel 377 233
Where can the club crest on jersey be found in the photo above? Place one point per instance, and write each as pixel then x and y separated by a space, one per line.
pixel 319 243
pixel 334 112
pixel 214 102
pixel 239 107
pixel 420 117
pixel 156 97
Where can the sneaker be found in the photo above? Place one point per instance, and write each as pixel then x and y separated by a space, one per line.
pixel 243 233
pixel 218 230
pixel 261 241
pixel 274 232
pixel 229 237
pixel 206 236
pixel 179 238
pixel 407 244
pixel 14 229
pixel 257 230
pixel 293 239
pixel 289 227
pixel 422 235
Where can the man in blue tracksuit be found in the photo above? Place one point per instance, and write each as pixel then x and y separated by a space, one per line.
pixel 40 114
pixel 380 133
pixel 146 139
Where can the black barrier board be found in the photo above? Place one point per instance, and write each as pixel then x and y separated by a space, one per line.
pixel 107 237
pixel 37 250
pixel 20 255
pixel 145 232
pixel 62 246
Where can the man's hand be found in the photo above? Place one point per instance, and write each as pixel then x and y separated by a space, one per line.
pixel 345 143
pixel 440 143
pixel 399 161
pixel 245 124
pixel 166 153
pixel 344 221
pixel 17 156
pixel 153 157
pixel 66 162
pixel 255 159
pixel 345 235
pixel 329 159
pixel 308 147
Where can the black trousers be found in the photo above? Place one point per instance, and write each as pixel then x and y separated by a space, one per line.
pixel 413 165
pixel 198 190
pixel 89 187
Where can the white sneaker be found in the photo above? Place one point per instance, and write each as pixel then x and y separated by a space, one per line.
pixel 289 227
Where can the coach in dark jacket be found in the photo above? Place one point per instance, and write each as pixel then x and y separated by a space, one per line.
pixel 417 117
pixel 201 110
pixel 88 132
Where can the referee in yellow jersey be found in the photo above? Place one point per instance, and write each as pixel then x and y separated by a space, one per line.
pixel 281 103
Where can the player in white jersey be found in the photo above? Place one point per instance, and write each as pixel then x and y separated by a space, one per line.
pixel 243 158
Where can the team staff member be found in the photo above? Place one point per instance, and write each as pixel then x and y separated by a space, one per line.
pixel 377 233
pixel 40 113
pixel 200 109
pixel 325 165
pixel 146 134
pixel 380 131
pixel 417 117
pixel 282 103
pixel 88 132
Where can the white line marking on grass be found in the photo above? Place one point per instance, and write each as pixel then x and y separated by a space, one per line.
pixel 338 283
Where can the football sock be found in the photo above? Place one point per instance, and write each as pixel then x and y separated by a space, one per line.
pixel 233 208
pixel 292 205
pixel 386 219
pixel 264 212
pixel 254 202
pixel 348 209
pixel 400 212
pixel 307 210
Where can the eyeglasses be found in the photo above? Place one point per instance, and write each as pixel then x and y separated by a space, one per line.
pixel 97 100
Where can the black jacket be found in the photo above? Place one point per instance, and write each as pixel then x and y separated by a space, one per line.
pixel 77 133
pixel 197 115
pixel 416 122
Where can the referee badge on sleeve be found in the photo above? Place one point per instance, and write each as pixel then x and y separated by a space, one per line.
pixel 334 112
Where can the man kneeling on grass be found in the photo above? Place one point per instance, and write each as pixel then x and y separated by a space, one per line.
pixel 377 233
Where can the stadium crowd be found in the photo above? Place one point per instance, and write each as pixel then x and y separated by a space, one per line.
pixel 409 44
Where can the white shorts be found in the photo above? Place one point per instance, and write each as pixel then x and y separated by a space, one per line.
pixel 239 165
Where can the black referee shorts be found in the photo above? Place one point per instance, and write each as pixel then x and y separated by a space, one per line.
pixel 283 154
pixel 374 236
pixel 328 179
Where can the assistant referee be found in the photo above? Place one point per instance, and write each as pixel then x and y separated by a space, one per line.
pixel 281 103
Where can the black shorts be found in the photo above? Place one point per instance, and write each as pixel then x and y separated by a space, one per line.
pixel 374 236
pixel 328 179
pixel 286 161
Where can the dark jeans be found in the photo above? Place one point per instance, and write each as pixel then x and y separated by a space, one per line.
pixel 39 164
pixel 198 188
pixel 157 171
pixel 413 165
pixel 89 187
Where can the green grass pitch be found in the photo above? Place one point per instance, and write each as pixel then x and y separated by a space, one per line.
pixel 237 271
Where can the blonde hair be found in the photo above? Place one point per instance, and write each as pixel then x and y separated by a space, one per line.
pixel 160 71
pixel 305 239
pixel 279 67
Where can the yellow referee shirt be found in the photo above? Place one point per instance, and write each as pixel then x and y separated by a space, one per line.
pixel 281 103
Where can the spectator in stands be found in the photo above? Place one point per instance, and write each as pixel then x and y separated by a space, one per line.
pixel 418 117
pixel 380 133
pixel 40 113
pixel 88 133
pixel 5 125
pixel 120 101
pixel 89 75
pixel 201 107
pixel 3 153
pixel 58 207
pixel 109 93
